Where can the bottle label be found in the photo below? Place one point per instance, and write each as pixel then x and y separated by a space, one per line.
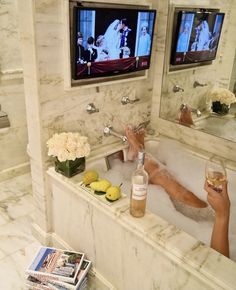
pixel 139 191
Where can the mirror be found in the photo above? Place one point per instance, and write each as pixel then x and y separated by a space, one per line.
pixel 186 98
pixel 232 84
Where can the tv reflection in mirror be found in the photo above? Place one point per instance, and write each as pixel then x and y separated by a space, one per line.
pixel 111 41
pixel 198 34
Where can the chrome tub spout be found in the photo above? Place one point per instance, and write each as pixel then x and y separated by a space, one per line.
pixel 107 131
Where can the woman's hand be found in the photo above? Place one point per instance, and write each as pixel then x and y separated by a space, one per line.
pixel 219 201
pixel 221 204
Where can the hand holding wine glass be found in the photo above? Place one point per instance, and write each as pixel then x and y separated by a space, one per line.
pixel 219 202
pixel 215 174
pixel 217 189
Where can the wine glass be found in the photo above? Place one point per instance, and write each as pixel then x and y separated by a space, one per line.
pixel 215 173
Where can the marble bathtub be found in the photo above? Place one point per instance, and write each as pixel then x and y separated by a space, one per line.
pixel 163 250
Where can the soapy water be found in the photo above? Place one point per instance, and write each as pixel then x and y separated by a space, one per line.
pixel 189 170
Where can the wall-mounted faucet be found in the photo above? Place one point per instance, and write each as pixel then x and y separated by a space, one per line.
pixel 197 84
pixel 177 89
pixel 107 131
pixel 183 107
pixel 126 100
pixel 196 111
pixel 91 108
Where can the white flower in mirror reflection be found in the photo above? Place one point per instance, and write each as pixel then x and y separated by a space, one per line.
pixel 222 95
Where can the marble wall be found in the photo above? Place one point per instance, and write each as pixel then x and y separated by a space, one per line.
pixel 51 108
pixel 66 110
pixel 13 140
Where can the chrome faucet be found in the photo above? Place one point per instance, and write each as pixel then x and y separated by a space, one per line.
pixel 126 100
pixel 107 131
pixel 197 111
pixel 184 106
pixel 197 84
pixel 91 108
pixel 177 89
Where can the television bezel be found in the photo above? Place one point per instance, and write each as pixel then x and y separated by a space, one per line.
pixel 112 76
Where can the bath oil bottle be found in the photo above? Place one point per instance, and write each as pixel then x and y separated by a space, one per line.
pixel 139 188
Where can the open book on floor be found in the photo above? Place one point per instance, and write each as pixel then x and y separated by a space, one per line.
pixel 56 264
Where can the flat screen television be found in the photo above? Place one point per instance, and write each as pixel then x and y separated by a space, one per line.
pixel 196 35
pixel 110 41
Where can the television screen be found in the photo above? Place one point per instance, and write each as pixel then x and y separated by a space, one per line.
pixel 198 35
pixel 110 41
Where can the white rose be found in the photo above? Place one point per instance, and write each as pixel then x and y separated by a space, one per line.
pixel 68 146
pixel 222 95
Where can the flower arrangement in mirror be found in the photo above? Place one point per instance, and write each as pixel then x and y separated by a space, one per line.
pixel 221 100
pixel 70 150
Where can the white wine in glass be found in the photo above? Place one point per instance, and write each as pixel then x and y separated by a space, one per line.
pixel 215 173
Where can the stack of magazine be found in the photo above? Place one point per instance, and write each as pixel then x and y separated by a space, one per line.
pixel 55 269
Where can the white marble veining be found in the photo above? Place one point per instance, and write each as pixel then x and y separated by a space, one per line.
pixel 136 244
pixel 51 108
pixel 13 140
pixel 10 51
pixel 59 108
pixel 17 244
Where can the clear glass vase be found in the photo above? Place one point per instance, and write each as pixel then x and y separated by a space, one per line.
pixel 70 168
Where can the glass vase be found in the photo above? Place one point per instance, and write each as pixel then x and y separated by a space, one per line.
pixel 70 168
pixel 221 109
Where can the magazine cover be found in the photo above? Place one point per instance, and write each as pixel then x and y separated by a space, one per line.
pixel 79 279
pixel 56 264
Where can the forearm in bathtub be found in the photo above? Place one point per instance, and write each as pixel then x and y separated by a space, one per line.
pixel 159 175
pixel 219 238
pixel 220 202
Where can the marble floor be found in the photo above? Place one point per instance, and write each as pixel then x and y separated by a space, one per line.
pixel 17 245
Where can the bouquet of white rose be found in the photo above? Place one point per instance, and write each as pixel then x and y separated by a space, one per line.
pixel 68 146
pixel 224 96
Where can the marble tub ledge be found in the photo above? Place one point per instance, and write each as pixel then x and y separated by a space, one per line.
pixel 181 248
